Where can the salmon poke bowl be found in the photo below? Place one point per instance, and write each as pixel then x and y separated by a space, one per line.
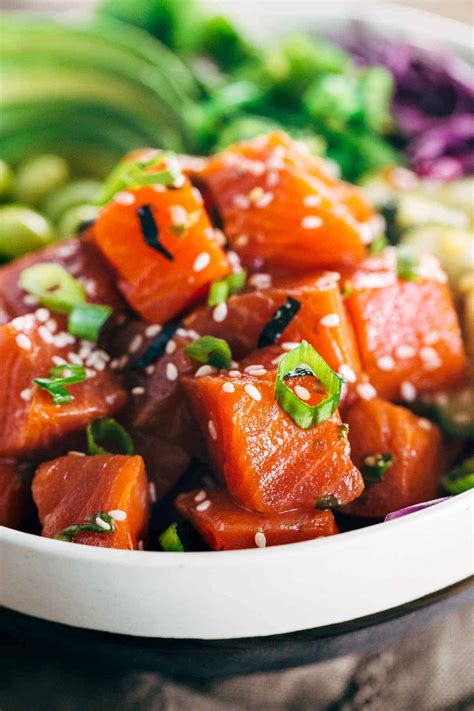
pixel 237 343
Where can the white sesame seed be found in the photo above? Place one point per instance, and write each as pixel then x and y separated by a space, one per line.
pixel 311 200
pixel 153 330
pixel 302 393
pixel 462 418
pixel 150 369
pixel 264 200
pixel 405 352
pixel 256 194
pixel 366 391
pixel 255 366
pixel 124 198
pixel 219 313
pixel 197 195
pixel 241 202
pixel 57 360
pixel 170 347
pixel 430 357
pixel 51 325
pixel 63 339
pixel 73 453
pixel 260 281
pixel 42 315
pixel 278 359
pixel 386 363
pixel 424 423
pixel 203 506
pixel 201 261
pixel 234 373
pixel 171 371
pixel 241 241
pixel 346 373
pixel 200 496
pixel 431 338
pixel 30 300
pixel 90 373
pixel 212 429
pixel 75 358
pixel 204 370
pixel 311 222
pixel 135 344
pixel 138 390
pixel 408 391
pixel 260 539
pixel 289 345
pixel 330 320
pixel 118 514
pixel 26 394
pixel 228 388
pixel 45 334
pixel 103 524
pixel 252 391
pixel 152 491
pixel 273 178
pixel 23 341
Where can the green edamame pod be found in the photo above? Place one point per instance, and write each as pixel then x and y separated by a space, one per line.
pixel 38 177
pixel 78 192
pixel 7 180
pixel 74 217
pixel 22 230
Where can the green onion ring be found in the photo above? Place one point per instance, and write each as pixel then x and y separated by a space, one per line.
pixel 108 430
pixel 210 350
pixel 86 320
pixel 53 286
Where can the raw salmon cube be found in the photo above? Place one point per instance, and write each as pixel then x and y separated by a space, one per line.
pixel 162 247
pixel 15 495
pixel 407 330
pixel 377 427
pixel 268 463
pixel 225 525
pixel 29 420
pixel 281 207
pixel 70 489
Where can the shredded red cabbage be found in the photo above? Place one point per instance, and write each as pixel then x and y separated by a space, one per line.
pixel 415 507
pixel 433 105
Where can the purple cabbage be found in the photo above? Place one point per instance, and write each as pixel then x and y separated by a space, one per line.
pixel 415 507
pixel 433 106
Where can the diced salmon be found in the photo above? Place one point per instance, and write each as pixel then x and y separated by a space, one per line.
pixel 162 247
pixel 321 320
pixel 29 421
pixel 225 525
pixel 79 256
pixel 165 462
pixel 70 489
pixel 281 207
pixel 268 463
pixel 379 427
pixel 15 494
pixel 407 331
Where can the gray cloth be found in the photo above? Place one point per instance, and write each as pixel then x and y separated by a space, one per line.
pixel 429 671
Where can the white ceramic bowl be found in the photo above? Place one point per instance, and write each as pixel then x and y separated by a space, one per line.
pixel 255 592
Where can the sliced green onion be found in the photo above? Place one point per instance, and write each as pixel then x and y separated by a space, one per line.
pixel 134 174
pixel 170 540
pixel 59 376
pixel 99 522
pixel 53 286
pixel 107 436
pixel 460 479
pixel 378 244
pixel 86 320
pixel 375 466
pixel 407 264
pixel 302 414
pixel 221 290
pixel 210 350
pixel 347 290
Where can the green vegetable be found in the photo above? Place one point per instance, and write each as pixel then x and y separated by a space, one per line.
pixel 99 522
pixel 378 245
pixel 59 376
pixel 72 195
pixel 86 320
pixel 304 415
pixel 376 88
pixel 407 264
pixel 135 174
pixel 170 540
pixel 210 350
pixel 326 502
pixel 375 466
pixel 335 100
pixel 38 177
pixel 72 220
pixel 241 128
pixel 22 230
pixel 461 478
pixel 7 181
pixel 221 41
pixel 52 286
pixel 107 436
pixel 221 290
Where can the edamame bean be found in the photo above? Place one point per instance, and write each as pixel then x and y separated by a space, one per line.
pixel 7 180
pixel 74 217
pixel 22 230
pixel 39 176
pixel 78 192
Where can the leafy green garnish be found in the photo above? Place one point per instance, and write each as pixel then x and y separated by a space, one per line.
pixel 99 522
pixel 210 350
pixel 375 466
pixel 59 376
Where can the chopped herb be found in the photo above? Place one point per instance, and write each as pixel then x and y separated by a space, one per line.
pixel 461 478
pixel 378 245
pixel 302 414
pixel 375 466
pixel 170 540
pixel 99 522
pixel 221 290
pixel 59 376
pixel 150 231
pixel 53 286
pixel 210 350
pixel 86 321
pixel 326 502
pixel 343 430
pixel 407 264
pixel 347 290
pixel 279 322
pixel 156 349
pixel 107 436
pixel 298 372
pixel 161 169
